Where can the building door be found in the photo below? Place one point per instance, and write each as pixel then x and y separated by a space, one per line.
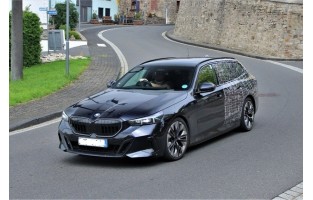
pixel 100 13
pixel 107 12
pixel 83 14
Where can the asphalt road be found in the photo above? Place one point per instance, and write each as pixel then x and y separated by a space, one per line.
pixel 259 164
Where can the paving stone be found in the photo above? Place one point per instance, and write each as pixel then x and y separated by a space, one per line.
pixel 300 185
pixel 286 196
pixel 278 198
pixel 292 193
pixel 299 197
pixel 297 189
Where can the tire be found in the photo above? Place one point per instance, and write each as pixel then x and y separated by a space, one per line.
pixel 176 140
pixel 247 115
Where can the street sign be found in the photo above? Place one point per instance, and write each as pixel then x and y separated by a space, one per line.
pixel 52 12
pixel 43 9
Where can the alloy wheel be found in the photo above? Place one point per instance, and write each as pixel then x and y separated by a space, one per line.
pixel 177 138
pixel 248 114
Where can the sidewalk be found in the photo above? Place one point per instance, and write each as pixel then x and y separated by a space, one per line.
pixel 103 67
pixel 295 193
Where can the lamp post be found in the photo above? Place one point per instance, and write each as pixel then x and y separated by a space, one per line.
pixel 79 16
pixel 166 18
pixel 67 38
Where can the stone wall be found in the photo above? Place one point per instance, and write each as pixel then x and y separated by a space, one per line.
pixel 265 28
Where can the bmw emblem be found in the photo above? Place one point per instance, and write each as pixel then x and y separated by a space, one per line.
pixel 97 115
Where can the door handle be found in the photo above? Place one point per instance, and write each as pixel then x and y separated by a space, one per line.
pixel 219 95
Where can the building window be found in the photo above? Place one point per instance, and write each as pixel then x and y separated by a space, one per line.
pixel 177 6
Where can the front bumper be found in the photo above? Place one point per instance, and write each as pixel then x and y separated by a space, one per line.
pixel 133 142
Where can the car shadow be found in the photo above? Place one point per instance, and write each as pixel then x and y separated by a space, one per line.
pixel 112 162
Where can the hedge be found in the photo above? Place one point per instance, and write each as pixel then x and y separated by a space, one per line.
pixel 31 38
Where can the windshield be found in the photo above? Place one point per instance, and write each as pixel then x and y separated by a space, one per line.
pixel 157 78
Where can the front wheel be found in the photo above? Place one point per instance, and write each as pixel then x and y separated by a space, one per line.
pixel 247 115
pixel 177 138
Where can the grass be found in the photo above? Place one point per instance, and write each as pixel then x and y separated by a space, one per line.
pixel 44 79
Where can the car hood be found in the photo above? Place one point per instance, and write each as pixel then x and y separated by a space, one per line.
pixel 126 104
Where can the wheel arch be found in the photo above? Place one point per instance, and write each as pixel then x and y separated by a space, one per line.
pixel 188 126
pixel 253 101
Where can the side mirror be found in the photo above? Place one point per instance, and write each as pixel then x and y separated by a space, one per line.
pixel 206 87
pixel 110 83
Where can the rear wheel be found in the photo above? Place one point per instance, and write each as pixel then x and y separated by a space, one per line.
pixel 177 139
pixel 247 116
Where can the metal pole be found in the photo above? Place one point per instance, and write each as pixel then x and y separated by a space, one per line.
pixel 166 19
pixel 79 16
pixel 48 28
pixel 48 16
pixel 67 37
pixel 47 21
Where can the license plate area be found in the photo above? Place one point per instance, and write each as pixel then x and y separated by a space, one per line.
pixel 92 142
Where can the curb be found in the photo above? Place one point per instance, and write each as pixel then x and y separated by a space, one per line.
pixel 81 36
pixel 168 35
pixel 36 121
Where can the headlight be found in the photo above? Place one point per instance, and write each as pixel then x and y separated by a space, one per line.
pixel 153 119
pixel 64 116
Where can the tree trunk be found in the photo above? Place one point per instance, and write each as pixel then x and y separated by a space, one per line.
pixel 17 40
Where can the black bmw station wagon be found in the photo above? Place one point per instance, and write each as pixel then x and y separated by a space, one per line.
pixel 160 108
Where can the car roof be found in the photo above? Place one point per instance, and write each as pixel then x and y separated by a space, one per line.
pixel 182 62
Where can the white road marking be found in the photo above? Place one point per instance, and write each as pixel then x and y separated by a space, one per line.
pixel 286 66
pixel 101 45
pixel 168 39
pixel 121 57
pixel 35 127
pixel 296 69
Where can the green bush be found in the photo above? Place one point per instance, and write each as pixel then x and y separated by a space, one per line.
pixel 63 27
pixel 138 16
pixel 94 15
pixel 31 38
pixel 71 33
pixel 60 18
pixel 75 34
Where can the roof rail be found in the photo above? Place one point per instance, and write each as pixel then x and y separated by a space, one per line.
pixel 157 60
pixel 218 58
pixel 166 58
pixel 212 59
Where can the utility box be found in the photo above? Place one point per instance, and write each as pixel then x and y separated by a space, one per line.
pixel 56 40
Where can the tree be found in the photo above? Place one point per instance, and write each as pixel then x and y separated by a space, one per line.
pixel 17 40
pixel 60 18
